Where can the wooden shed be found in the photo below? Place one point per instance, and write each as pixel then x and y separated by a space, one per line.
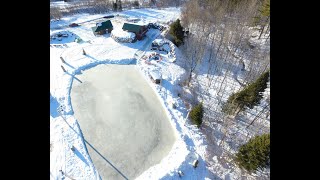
pixel 102 28
pixel 139 30
pixel 155 77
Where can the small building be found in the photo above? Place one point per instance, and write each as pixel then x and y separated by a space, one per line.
pixel 139 30
pixel 155 77
pixel 102 28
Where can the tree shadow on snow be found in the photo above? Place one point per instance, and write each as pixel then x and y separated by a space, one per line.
pixel 220 67
pixel 73 76
pixel 91 57
pixel 106 160
pixel 83 159
pixel 191 173
pixel 80 156
pixel 54 104
pixel 69 65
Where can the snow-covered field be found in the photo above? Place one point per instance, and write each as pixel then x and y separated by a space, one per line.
pixel 65 131
pixel 191 144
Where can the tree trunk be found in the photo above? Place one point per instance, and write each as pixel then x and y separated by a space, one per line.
pixel 189 78
pixel 226 73
pixel 264 25
pixel 261 31
pixel 210 64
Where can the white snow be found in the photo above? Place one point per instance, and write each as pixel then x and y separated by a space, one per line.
pixel 190 144
pixel 62 37
pixel 65 131
pixel 159 41
pixel 155 74
pixel 122 36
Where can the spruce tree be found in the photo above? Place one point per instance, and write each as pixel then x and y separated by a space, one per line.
pixel 176 30
pixel 249 97
pixel 196 114
pixel 136 4
pixel 115 6
pixel 255 154
pixel 120 5
pixel 263 17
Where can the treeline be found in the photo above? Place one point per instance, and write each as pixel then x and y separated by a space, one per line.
pixel 222 29
pixel 103 6
pixel 220 40
pixel 255 154
pixel 229 39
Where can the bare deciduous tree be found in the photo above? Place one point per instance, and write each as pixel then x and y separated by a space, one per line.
pixel 193 52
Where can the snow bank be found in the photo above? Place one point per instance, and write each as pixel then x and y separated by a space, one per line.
pixel 190 144
pixel 159 42
pixel 122 36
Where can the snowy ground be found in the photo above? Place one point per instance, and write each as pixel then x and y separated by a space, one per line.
pixel 225 134
pixel 65 131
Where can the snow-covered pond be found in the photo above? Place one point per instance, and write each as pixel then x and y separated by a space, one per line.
pixel 121 119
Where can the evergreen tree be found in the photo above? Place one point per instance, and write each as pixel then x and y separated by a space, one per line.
pixel 265 10
pixel 263 17
pixel 136 4
pixel 255 154
pixel 115 6
pixel 196 114
pixel 176 30
pixel 248 97
pixel 263 13
pixel 119 5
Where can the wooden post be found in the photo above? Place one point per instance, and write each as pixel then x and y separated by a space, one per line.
pixel 180 173
pixel 62 60
pixel 64 70
pixel 66 175
pixel 195 163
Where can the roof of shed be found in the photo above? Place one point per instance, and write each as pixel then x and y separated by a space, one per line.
pixel 155 75
pixel 103 26
pixel 131 27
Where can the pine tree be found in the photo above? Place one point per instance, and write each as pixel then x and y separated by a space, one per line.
pixel 120 5
pixel 176 30
pixel 255 154
pixel 136 4
pixel 115 6
pixel 196 114
pixel 248 97
pixel 263 17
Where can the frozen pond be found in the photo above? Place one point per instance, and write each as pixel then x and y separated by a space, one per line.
pixel 121 119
